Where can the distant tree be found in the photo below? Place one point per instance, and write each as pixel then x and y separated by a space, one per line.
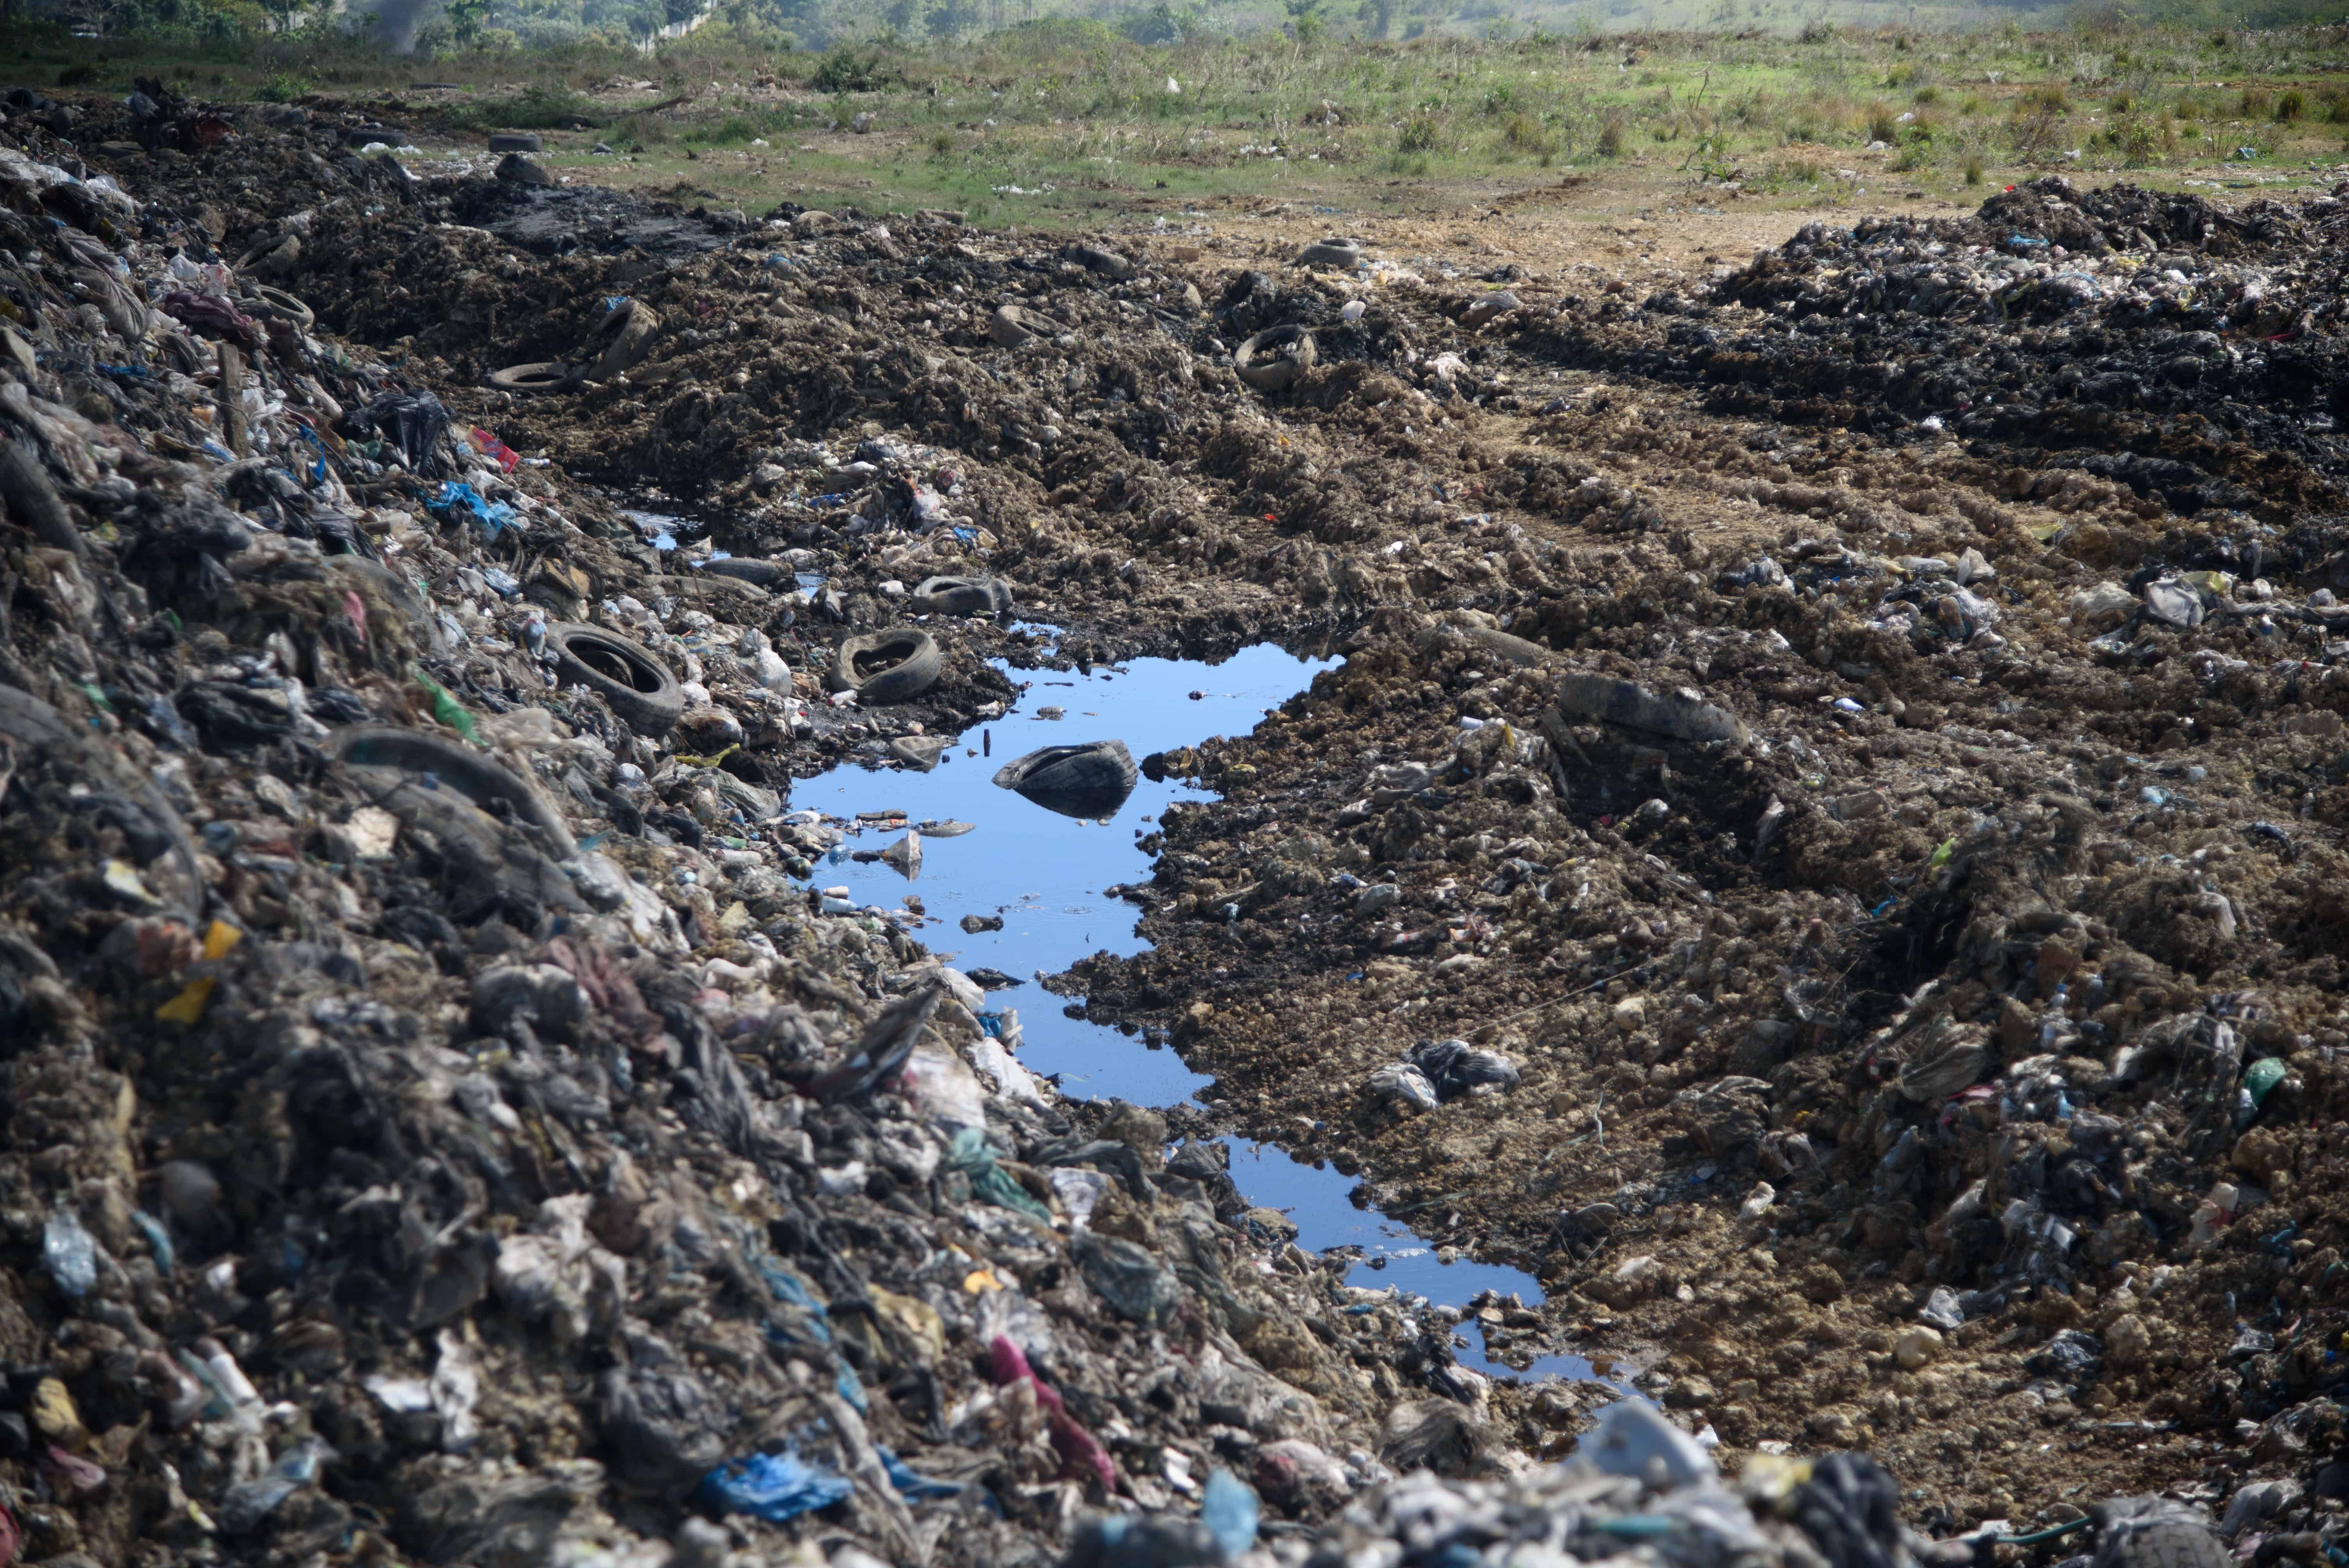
pixel 1378 16
pixel 947 18
pixel 465 20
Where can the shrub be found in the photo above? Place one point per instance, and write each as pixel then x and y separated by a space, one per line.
pixel 1418 134
pixel 2289 106
pixel 532 108
pixel 1973 171
pixel 1610 139
pixel 636 129
pixel 843 70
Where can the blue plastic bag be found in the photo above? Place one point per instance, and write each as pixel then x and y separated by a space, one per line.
pixel 1229 1510
pixel 488 515
pixel 776 1488
pixel 914 1488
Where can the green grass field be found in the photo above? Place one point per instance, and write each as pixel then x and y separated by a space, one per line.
pixel 1054 122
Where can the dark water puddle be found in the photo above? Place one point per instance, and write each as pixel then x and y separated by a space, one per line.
pixel 660 529
pixel 1044 874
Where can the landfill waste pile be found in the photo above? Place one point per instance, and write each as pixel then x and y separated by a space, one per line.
pixel 443 1125
pixel 1825 848
pixel 1897 874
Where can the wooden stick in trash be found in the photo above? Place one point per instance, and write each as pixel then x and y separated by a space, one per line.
pixel 232 391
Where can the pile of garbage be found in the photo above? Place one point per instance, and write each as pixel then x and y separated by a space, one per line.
pixel 1639 1489
pixel 2050 307
pixel 1801 908
pixel 442 1124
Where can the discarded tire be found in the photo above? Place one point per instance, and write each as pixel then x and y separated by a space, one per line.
pixel 277 303
pixel 514 141
pixel 480 780
pixel 1275 357
pixel 275 254
pixel 154 835
pixel 634 685
pixel 896 666
pixel 1330 254
pixel 745 569
pixel 1009 326
pixel 545 376
pixel 962 596
pixel 1108 263
pixel 620 340
pixel 1093 780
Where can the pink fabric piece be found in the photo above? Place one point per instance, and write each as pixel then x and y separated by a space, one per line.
pixel 1078 1450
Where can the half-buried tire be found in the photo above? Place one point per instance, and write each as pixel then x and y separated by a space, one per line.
pixel 543 376
pixel 896 666
pixel 962 596
pixel 636 686
pixel 481 780
pixel 1092 780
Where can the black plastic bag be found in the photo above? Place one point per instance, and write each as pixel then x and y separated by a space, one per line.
pixel 412 421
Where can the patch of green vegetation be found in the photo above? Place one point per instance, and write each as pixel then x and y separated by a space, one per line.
pixel 1082 116
pixel 844 70
pixel 532 108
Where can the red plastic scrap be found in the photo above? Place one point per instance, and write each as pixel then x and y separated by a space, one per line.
pixel 204 132
pixel 12 1537
pixel 1078 1449
pixel 497 451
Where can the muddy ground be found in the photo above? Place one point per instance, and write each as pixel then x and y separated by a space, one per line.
pixel 1889 1013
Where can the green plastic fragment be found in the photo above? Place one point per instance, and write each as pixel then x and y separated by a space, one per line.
pixel 448 709
pixel 1941 853
pixel 2262 1077
pixel 970 1155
